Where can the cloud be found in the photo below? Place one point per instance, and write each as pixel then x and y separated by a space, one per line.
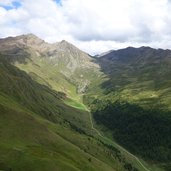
pixel 94 26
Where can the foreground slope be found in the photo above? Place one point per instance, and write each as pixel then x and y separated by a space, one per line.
pixel 40 132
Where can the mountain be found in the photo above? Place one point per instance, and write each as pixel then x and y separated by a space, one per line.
pixel 42 128
pixel 133 69
pixel 60 66
pixel 135 104
pixel 48 93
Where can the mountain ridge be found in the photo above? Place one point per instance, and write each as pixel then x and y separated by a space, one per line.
pixel 63 57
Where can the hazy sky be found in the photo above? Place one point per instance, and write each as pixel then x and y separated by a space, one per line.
pixel 94 26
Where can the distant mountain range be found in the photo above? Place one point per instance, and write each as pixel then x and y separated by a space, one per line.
pixel 47 92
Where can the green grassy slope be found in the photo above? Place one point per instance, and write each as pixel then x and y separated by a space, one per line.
pixel 43 72
pixel 28 144
pixel 40 132
pixel 55 74
pixel 36 97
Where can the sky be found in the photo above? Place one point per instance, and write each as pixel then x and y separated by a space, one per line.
pixel 94 26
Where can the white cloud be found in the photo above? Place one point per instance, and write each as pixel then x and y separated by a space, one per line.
pixel 93 25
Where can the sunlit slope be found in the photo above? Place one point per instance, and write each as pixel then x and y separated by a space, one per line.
pixel 60 66
pixel 28 143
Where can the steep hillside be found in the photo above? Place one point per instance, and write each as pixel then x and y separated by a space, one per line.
pixel 142 73
pixel 61 66
pixel 40 132
pixel 135 103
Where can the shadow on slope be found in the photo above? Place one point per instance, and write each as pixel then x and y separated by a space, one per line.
pixel 134 106
pixel 38 98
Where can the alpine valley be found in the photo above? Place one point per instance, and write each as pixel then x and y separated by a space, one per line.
pixel 64 110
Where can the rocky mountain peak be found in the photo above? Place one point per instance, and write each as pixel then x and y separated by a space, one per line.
pixel 31 35
pixel 64 42
pixel 24 41
pixel 31 40
pixel 65 45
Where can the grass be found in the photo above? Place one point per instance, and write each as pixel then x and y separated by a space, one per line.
pixel 40 132
pixel 43 145
pixel 75 104
pixel 45 73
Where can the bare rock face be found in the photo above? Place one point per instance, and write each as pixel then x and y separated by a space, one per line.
pixel 71 56
pixel 28 41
